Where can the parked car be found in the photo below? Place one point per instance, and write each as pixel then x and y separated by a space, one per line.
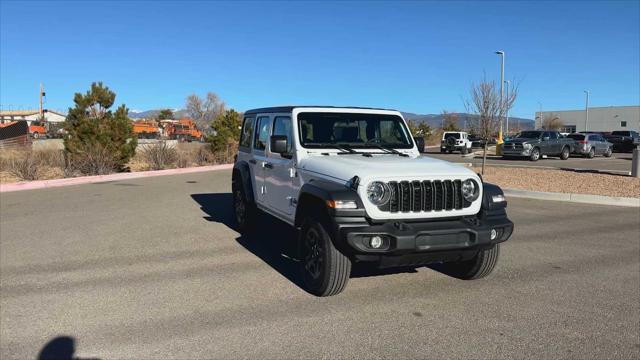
pixel 535 143
pixel 353 184
pixel 591 144
pixel 455 141
pixel 623 141
pixel 476 141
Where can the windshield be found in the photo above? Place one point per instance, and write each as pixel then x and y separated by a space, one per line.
pixel 356 130
pixel 529 134
pixel 576 136
pixel 620 133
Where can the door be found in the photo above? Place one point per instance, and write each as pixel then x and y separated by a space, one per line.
pixel 281 169
pixel 555 144
pixel 546 144
pixel 261 138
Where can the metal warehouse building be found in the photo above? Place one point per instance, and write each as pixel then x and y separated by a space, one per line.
pixel 607 119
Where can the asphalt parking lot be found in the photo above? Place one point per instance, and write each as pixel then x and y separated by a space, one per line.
pixel 149 268
pixel 619 162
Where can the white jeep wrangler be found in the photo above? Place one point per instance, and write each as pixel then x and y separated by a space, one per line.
pixel 455 141
pixel 352 181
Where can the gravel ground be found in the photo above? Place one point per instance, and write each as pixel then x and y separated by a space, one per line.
pixel 563 181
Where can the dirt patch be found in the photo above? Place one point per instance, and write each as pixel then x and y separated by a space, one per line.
pixel 563 181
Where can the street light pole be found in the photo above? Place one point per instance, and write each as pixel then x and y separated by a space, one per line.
pixel 586 110
pixel 500 142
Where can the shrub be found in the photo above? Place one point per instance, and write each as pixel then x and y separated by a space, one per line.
pixel 98 141
pixel 33 164
pixel 160 155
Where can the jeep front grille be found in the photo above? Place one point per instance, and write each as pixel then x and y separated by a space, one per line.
pixel 416 196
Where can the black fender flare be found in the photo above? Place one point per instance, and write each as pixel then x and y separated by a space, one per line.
pixel 317 193
pixel 242 176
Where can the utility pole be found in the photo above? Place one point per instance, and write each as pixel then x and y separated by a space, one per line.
pixel 586 110
pixel 540 112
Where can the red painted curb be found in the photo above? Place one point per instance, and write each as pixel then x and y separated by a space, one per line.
pixel 42 184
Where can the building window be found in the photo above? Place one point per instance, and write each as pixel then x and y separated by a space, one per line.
pixel 623 124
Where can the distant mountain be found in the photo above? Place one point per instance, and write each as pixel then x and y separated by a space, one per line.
pixel 433 120
pixel 464 120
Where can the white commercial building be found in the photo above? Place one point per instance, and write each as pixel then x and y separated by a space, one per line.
pixel 605 119
pixel 31 115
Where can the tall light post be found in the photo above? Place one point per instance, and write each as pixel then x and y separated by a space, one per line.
pixel 586 110
pixel 507 108
pixel 500 142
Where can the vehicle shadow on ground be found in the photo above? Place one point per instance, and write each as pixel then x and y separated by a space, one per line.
pixel 60 348
pixel 274 241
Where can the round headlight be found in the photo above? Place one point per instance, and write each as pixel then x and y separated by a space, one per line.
pixel 378 193
pixel 470 190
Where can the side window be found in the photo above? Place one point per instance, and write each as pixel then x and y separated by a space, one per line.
pixel 247 132
pixel 262 133
pixel 546 134
pixel 623 124
pixel 553 135
pixel 282 126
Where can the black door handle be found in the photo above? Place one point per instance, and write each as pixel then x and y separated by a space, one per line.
pixel 252 161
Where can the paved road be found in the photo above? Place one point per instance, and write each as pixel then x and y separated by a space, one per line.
pixel 617 163
pixel 148 268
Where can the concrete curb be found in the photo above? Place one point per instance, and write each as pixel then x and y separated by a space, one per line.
pixel 43 184
pixel 576 198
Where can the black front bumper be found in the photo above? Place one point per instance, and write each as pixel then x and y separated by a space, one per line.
pixel 407 243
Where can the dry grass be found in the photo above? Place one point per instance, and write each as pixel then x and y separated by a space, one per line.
pixel 562 181
pixel 27 165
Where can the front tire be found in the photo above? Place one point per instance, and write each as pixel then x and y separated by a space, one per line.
pixel 325 270
pixel 535 154
pixel 564 155
pixel 592 153
pixel 478 267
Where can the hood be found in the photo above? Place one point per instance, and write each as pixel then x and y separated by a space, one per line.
pixel 344 167
pixel 520 140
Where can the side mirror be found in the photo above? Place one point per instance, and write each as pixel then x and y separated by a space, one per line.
pixel 279 144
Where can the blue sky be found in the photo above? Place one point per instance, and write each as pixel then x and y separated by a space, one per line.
pixel 413 56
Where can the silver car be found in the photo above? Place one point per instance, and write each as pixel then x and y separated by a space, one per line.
pixel 590 145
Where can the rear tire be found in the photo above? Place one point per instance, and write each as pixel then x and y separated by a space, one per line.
pixel 325 270
pixel 244 211
pixel 608 153
pixel 592 153
pixel 36 135
pixel 478 267
pixel 564 155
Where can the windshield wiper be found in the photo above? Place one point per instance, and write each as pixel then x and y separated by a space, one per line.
pixel 389 150
pixel 346 149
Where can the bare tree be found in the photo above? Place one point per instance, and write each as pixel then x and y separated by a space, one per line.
pixel 204 110
pixel 552 122
pixel 485 103
pixel 449 121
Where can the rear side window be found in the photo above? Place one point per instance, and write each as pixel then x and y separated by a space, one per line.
pixel 553 135
pixel 247 131
pixel 262 133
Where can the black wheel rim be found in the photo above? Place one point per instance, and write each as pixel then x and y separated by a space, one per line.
pixel 240 209
pixel 313 253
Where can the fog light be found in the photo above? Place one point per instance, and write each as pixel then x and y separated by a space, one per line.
pixel 375 242
pixel 494 234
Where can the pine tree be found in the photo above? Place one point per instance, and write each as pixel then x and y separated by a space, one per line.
pixel 98 140
pixel 227 130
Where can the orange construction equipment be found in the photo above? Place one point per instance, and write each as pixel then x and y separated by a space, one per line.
pixel 184 130
pixel 37 130
pixel 146 129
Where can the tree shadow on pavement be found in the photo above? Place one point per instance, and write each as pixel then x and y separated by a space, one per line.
pixel 60 348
